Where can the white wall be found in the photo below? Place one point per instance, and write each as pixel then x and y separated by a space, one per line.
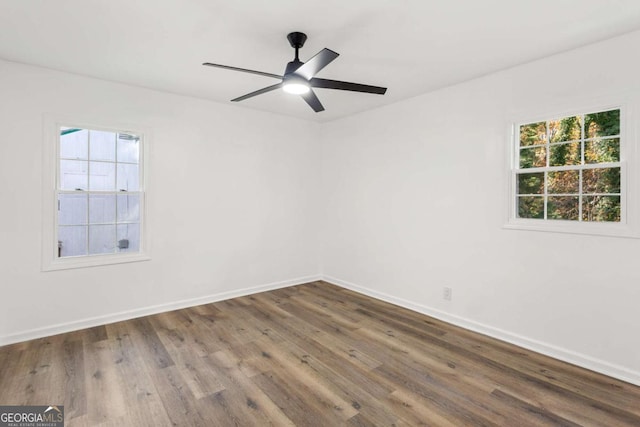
pixel 415 198
pixel 232 203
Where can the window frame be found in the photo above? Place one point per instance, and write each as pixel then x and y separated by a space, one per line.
pixel 51 160
pixel 628 225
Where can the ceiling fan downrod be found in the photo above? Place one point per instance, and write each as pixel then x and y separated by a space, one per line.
pixel 296 40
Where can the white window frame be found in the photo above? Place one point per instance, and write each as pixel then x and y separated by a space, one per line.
pixel 50 163
pixel 628 224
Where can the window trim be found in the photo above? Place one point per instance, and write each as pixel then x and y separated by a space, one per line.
pixel 628 225
pixel 50 158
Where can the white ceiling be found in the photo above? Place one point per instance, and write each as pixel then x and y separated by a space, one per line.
pixel 409 46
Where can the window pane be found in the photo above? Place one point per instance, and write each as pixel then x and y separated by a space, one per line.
pixel 533 157
pixel 73 143
pixel 601 208
pixel 531 207
pixel 128 148
pixel 72 241
pixel 564 154
pixel 128 177
pixel 602 150
pixel 566 129
pixel 128 208
pixel 73 175
pixel 102 239
pixel 559 207
pixel 102 209
pixel 563 182
pixel 605 123
pixel 102 145
pixel 103 176
pixel 128 237
pixel 531 183
pixel 100 173
pixel 533 134
pixel 72 209
pixel 605 180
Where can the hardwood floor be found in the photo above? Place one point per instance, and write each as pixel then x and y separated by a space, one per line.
pixel 309 355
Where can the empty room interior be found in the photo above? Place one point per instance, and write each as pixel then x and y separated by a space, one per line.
pixel 366 213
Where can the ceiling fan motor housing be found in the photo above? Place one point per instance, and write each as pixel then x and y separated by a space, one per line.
pixel 292 66
pixel 294 79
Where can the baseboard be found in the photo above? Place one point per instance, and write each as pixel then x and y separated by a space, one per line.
pixel 559 353
pixel 146 311
pixel 584 361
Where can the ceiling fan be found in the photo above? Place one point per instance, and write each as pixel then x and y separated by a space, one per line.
pixel 299 77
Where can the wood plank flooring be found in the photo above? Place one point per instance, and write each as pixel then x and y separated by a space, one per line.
pixel 308 355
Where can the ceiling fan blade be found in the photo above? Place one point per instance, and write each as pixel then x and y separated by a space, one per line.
pixel 244 70
pixel 313 101
pixel 317 63
pixel 258 92
pixel 355 87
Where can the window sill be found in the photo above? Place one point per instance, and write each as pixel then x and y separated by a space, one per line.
pixel 93 261
pixel 559 226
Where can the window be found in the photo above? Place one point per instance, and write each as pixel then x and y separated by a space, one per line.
pixel 569 173
pixel 569 168
pixel 99 197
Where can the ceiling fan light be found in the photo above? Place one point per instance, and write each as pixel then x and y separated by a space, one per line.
pixel 296 88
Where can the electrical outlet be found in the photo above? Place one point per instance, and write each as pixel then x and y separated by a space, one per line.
pixel 447 293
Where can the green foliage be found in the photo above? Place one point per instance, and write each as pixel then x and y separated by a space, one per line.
pixel 566 182
pixel 533 134
pixel 531 183
pixel 602 150
pixel 531 157
pixel 558 155
pixel 567 129
pixel 531 207
pixel 564 207
pixel 565 154
pixel 601 208
pixel 605 123
pixel 605 180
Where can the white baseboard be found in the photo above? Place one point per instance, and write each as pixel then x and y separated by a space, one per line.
pixel 584 361
pixel 146 311
pixel 559 353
